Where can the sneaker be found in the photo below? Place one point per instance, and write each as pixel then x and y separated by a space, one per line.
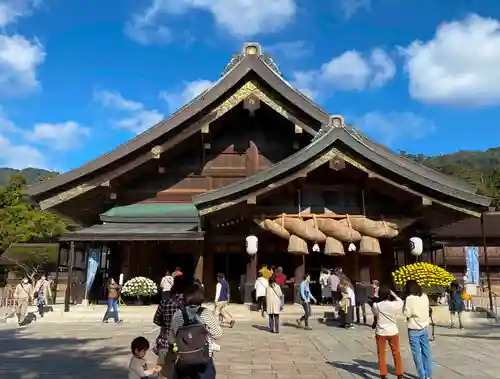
pixel 308 328
pixel 299 323
pixel 119 322
pixel 231 324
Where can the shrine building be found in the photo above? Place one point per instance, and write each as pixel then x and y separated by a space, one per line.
pixel 253 156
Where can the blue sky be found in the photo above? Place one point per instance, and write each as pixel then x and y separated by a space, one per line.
pixel 78 78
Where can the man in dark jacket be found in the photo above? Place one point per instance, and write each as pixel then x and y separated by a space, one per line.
pixel 361 293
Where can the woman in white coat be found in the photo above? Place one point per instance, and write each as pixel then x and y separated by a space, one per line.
pixel 261 285
pixel 273 304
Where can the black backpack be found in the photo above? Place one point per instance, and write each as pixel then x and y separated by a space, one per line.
pixel 192 344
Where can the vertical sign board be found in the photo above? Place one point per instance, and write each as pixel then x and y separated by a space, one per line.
pixel 94 257
pixel 472 262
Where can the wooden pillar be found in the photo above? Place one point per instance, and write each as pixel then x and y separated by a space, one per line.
pixel 250 278
pixel 198 262
pixel 300 271
pixel 208 272
pixel 71 263
pixel 56 284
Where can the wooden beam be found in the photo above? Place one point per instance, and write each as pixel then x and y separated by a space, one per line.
pixel 252 200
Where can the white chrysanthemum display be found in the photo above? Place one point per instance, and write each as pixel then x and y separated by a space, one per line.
pixel 140 286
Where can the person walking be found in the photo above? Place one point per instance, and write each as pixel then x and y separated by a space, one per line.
pixel 43 294
pixel 23 296
pixel 166 285
pixel 113 292
pixel 386 330
pixel 455 304
pixel 416 310
pixel 273 304
pixel 193 361
pixel 163 318
pixel 221 301
pixel 306 298
pixel 260 292
pixel 334 282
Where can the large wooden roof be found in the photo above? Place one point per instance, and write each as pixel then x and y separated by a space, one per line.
pixel 252 62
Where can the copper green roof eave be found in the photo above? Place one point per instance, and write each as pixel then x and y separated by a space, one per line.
pixel 152 212
pixel 322 144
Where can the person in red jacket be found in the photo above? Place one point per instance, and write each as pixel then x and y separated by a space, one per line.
pixel 280 280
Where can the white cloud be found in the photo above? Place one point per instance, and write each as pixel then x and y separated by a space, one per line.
pixel 350 7
pixel 351 71
pixel 188 93
pixel 135 116
pixel 12 10
pixel 20 156
pixel 394 126
pixel 292 49
pixel 60 136
pixel 241 18
pixel 459 66
pixel 19 61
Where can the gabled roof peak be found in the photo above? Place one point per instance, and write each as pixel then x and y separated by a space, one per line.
pixel 255 49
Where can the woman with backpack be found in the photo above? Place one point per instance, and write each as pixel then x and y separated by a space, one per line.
pixel 192 333
pixel 416 310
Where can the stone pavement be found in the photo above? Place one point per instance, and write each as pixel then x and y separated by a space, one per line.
pixel 84 350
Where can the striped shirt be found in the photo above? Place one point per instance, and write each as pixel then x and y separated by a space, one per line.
pixel 207 318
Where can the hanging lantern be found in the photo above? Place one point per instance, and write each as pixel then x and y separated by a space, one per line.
pixel 352 247
pixel 252 244
pixel 316 248
pixel 416 246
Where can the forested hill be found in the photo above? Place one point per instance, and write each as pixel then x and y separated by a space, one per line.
pixel 480 168
pixel 32 175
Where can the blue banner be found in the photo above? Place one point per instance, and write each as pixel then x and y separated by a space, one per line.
pixel 472 262
pixel 94 256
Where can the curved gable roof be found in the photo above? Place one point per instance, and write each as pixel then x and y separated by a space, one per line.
pixel 321 144
pixel 249 63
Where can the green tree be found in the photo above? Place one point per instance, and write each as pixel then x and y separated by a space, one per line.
pixel 21 222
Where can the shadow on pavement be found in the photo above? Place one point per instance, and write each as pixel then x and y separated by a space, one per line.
pixel 365 369
pixel 64 358
pixel 261 327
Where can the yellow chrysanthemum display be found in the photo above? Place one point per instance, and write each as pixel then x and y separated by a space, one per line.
pixel 426 274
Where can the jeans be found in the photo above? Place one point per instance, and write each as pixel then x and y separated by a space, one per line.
pixel 307 313
pixel 421 351
pixel 274 323
pixel 208 373
pixel 112 305
pixel 165 295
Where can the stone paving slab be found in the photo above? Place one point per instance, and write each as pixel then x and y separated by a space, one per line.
pixel 248 351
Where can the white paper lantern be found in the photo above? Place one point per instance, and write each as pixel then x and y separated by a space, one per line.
pixel 316 248
pixel 252 243
pixel 416 246
pixel 352 247
pixel 120 280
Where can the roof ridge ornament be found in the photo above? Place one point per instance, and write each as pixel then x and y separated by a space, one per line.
pixel 336 121
pixel 252 48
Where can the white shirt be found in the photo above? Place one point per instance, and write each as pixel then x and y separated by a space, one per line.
pixel 416 310
pixel 323 280
pixel 386 312
pixel 218 288
pixel 166 283
pixel 138 368
pixel 260 286
pixel 334 282
pixel 351 295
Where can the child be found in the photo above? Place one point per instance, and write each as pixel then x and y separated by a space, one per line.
pixel 138 368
